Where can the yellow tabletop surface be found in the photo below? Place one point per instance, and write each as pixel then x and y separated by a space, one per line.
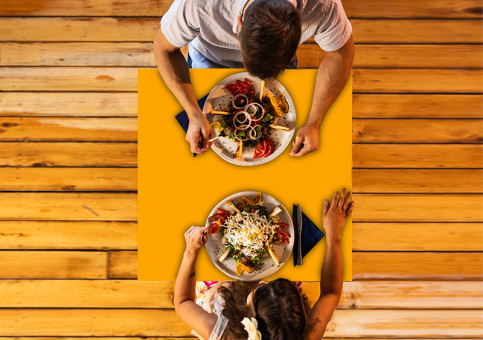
pixel 177 190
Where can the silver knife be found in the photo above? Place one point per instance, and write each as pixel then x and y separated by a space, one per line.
pixel 299 225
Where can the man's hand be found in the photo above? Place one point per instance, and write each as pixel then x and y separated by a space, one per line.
pixel 307 140
pixel 196 238
pixel 335 214
pixel 199 134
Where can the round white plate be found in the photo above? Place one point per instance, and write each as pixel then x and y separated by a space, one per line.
pixel 219 98
pixel 266 267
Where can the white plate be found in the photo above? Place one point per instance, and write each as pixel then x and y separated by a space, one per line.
pixel 266 267
pixel 219 98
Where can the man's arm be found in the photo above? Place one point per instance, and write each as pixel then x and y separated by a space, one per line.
pixel 331 79
pixel 174 70
pixel 334 218
pixel 184 292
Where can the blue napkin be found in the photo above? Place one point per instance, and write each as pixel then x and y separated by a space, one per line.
pixel 183 119
pixel 311 235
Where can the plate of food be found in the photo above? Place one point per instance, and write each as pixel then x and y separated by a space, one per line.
pixel 253 120
pixel 250 235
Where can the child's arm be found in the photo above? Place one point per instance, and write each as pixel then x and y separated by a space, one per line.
pixel 334 218
pixel 184 292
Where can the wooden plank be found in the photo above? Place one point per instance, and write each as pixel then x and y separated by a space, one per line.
pixel 417 156
pixel 418 208
pixel 142 322
pixel 379 31
pixel 123 264
pixel 39 154
pixel 68 129
pixel 159 294
pixel 125 79
pixel 366 266
pixel 417 81
pixel 416 266
pixel 417 181
pixel 413 31
pixel 68 179
pixel 395 131
pixel 353 8
pixel 68 79
pixel 417 106
pixel 68 104
pixel 417 236
pixel 68 206
pixel 52 265
pixel 398 56
pixel 309 55
pixel 67 235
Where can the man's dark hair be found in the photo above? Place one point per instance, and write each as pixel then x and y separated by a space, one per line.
pixel 269 37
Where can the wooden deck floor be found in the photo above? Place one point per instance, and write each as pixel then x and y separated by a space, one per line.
pixel 68 171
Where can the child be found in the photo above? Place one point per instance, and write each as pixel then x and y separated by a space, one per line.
pixel 264 310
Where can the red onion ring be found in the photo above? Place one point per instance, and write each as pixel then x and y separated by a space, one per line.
pixel 254 128
pixel 242 124
pixel 252 114
pixel 235 98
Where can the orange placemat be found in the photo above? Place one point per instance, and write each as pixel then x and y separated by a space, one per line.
pixel 177 190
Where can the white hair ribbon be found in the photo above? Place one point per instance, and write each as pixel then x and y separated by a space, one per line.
pixel 251 326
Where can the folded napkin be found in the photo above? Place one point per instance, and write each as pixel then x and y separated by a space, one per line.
pixel 183 119
pixel 311 235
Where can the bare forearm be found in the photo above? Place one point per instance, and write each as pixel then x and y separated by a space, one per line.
pixel 186 281
pixel 174 70
pixel 332 269
pixel 331 79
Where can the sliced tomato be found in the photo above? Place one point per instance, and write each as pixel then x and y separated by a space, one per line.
pixel 251 88
pixel 222 212
pixel 233 89
pixel 260 149
pixel 270 146
pixel 283 234
pixel 284 240
pixel 281 224
pixel 213 228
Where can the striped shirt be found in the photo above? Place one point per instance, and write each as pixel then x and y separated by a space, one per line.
pixel 210 28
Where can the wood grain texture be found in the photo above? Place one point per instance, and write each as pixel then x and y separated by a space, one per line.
pixel 417 81
pixel 68 79
pixel 68 104
pixel 417 156
pixel 424 131
pixel 149 322
pixel 310 55
pixel 418 208
pixel 68 129
pixel 145 294
pixel 399 56
pixel 62 235
pixel 122 264
pixel 68 179
pixel 125 79
pixel 52 265
pixel 417 106
pixel 365 266
pixel 69 206
pixel 353 8
pixel 414 266
pixel 417 181
pixel 144 29
pixel 417 237
pixel 68 154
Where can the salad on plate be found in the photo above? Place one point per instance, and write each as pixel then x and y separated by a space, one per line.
pixel 248 231
pixel 250 116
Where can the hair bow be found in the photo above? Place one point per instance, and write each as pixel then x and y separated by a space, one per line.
pixel 251 326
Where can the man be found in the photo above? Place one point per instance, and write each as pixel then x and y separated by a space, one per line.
pixel 262 36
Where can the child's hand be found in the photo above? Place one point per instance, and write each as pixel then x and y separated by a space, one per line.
pixel 334 216
pixel 196 238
